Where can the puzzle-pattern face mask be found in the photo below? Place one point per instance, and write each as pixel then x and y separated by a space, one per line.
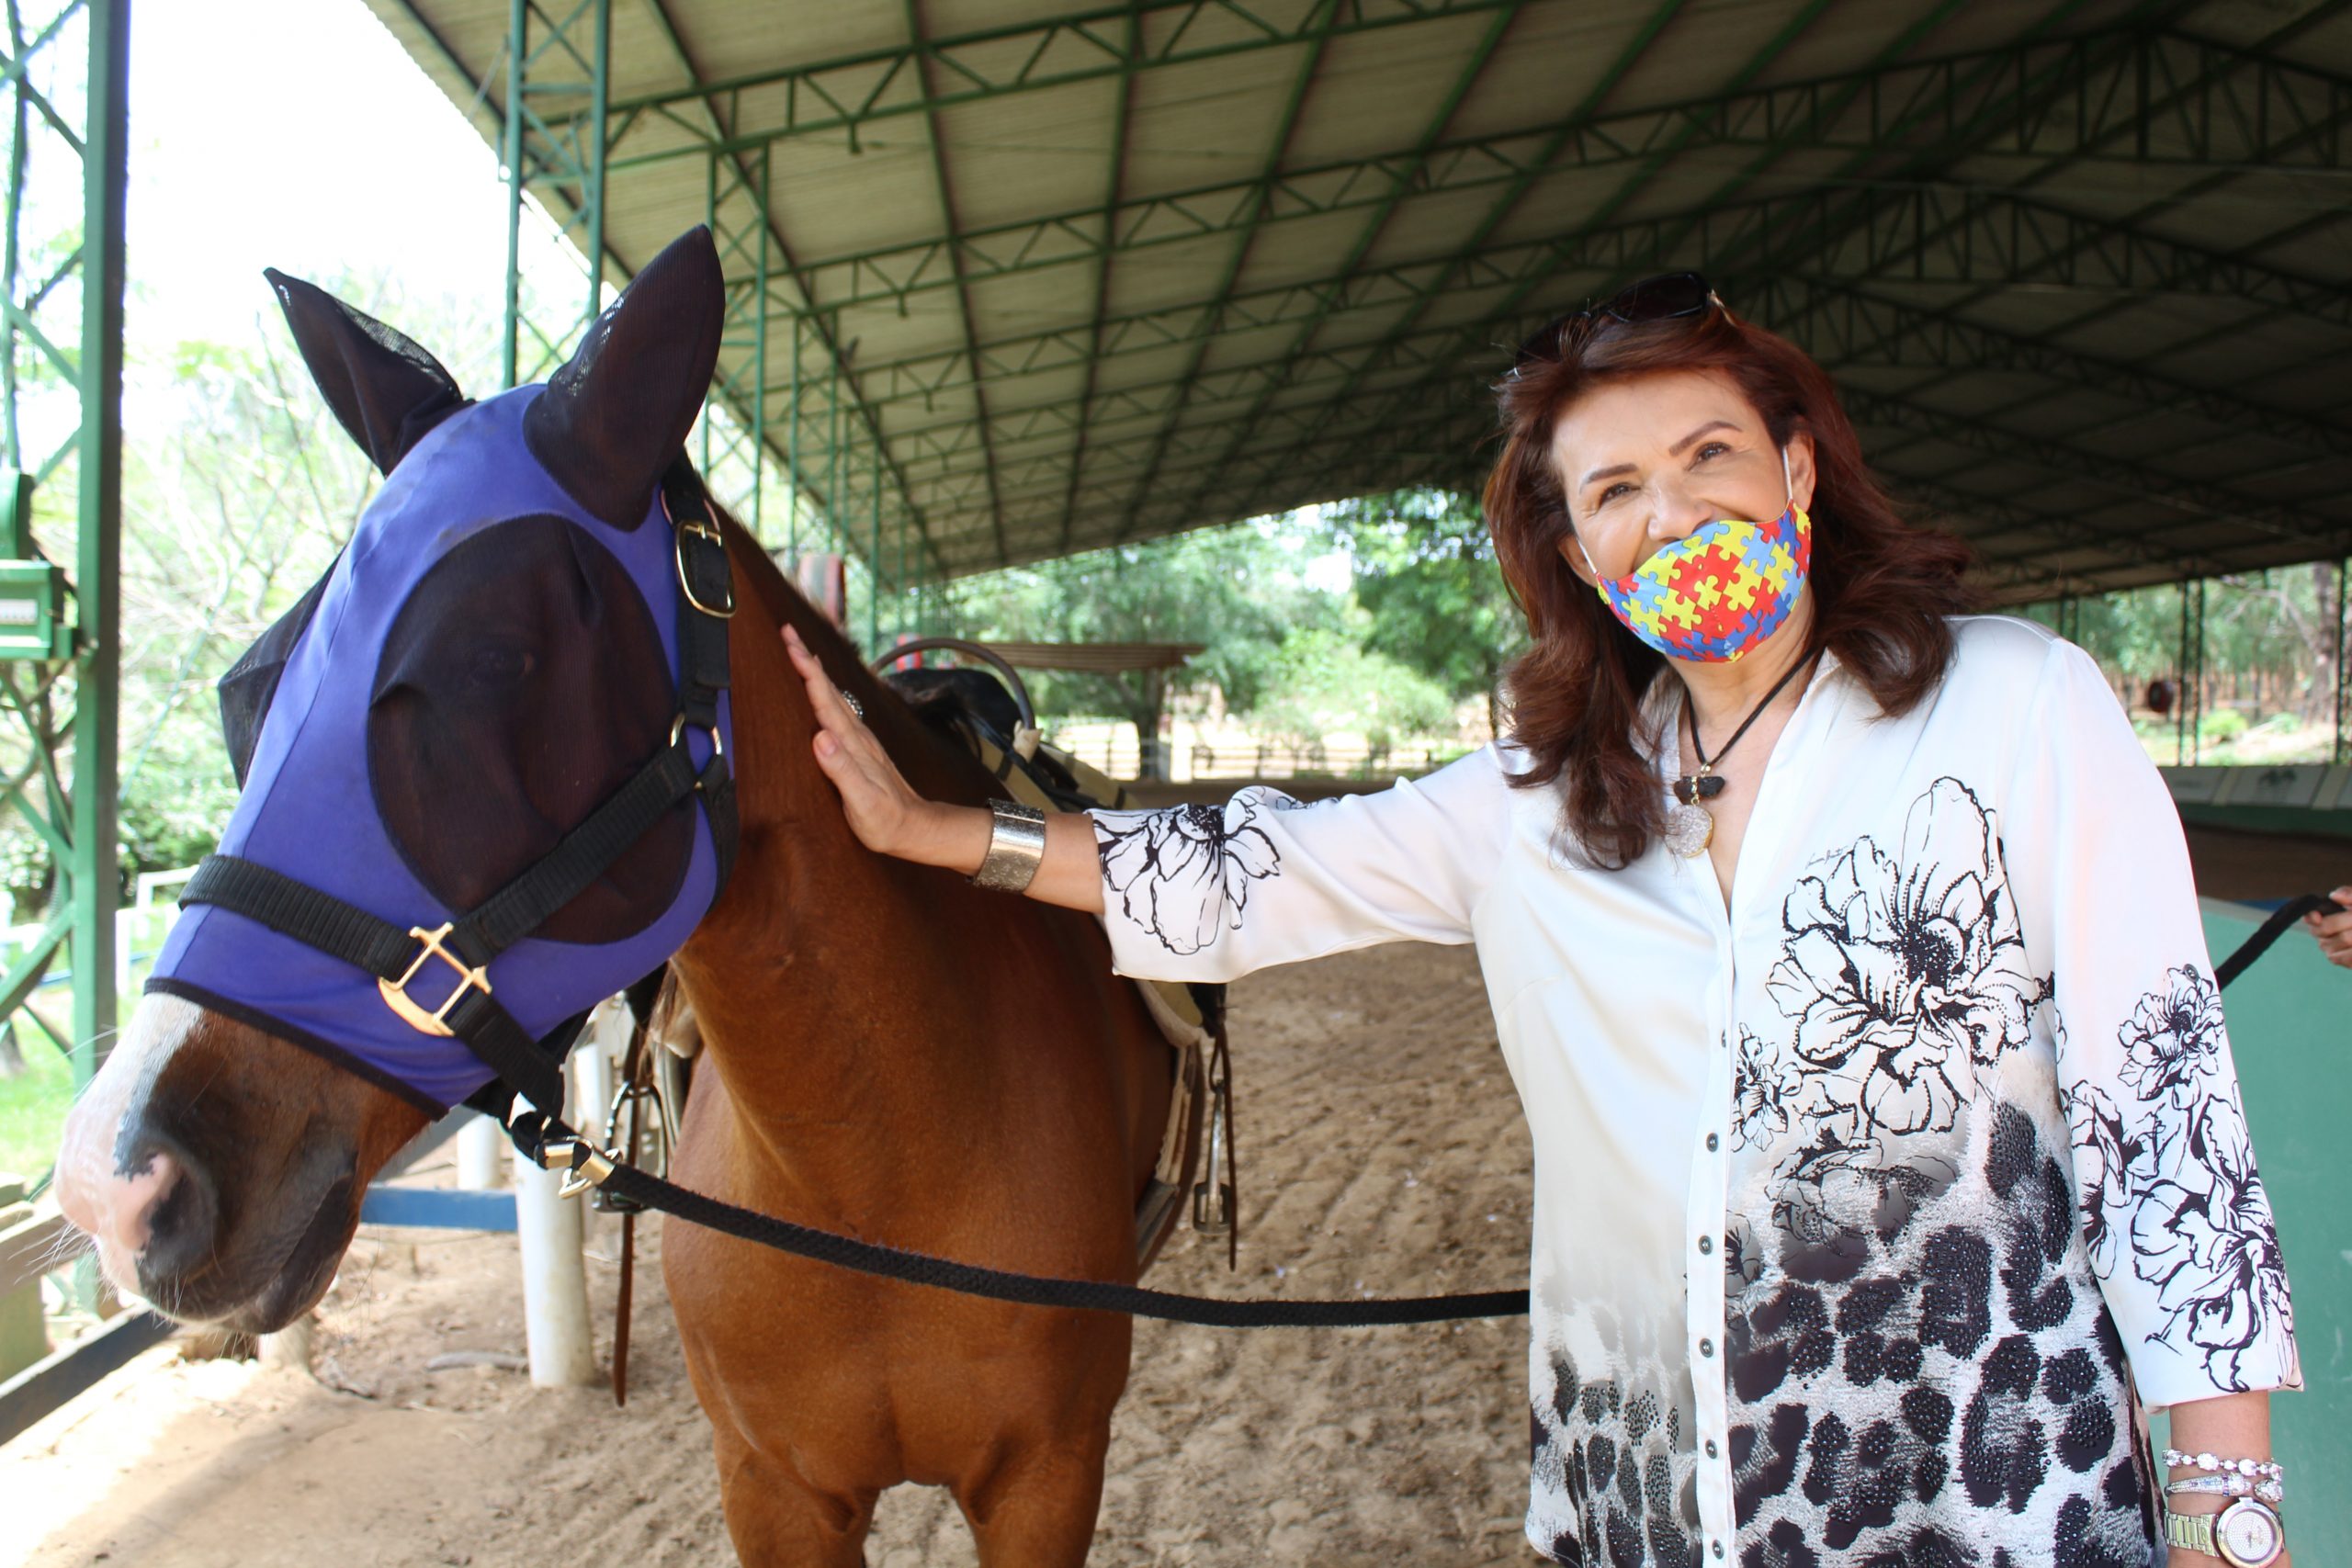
pixel 1717 593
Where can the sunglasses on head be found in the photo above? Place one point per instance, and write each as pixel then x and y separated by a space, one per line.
pixel 1658 299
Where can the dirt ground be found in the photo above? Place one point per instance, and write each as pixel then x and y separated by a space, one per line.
pixel 1383 1152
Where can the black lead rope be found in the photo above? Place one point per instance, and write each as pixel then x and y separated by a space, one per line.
pixel 549 1143
pixel 2270 930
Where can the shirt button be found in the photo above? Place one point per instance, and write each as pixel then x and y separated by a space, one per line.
pixel 1706 1243
pixel 1714 1142
pixel 1706 1347
pixel 1710 1448
pixel 1719 1549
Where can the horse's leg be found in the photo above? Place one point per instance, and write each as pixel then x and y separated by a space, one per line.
pixel 1037 1509
pixel 777 1519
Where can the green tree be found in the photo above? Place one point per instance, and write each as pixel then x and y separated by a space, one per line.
pixel 1237 592
pixel 1425 569
pixel 1326 682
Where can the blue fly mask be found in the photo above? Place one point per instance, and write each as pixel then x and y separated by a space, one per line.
pixel 484 759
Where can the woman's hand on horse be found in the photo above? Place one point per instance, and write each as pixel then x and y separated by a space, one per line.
pixel 2335 932
pixel 883 810
pixel 890 819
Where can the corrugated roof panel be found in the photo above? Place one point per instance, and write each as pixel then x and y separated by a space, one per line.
pixel 1170 275
pixel 1136 380
pixel 832 205
pixel 1553 59
pixel 1027 154
pixel 1374 92
pixel 732 41
pixel 1300 251
pixel 1211 121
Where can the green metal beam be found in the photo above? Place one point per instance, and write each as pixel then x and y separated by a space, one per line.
pixel 98 552
pixel 2322 129
pixel 2141 261
pixel 2276 116
pixel 1986 238
pixel 850 92
pixel 1114 183
pixel 1672 236
pixel 1287 124
pixel 1944 503
pixel 1838 220
pixel 2134 480
pixel 1842 325
pixel 559 155
pixel 939 171
pixel 1975 236
pixel 827 333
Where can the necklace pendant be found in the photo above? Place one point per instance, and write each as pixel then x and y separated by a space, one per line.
pixel 1688 829
pixel 1692 788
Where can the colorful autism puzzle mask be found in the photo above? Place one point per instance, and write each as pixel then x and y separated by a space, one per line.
pixel 1717 594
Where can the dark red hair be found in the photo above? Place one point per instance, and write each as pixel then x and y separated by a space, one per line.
pixel 1880 588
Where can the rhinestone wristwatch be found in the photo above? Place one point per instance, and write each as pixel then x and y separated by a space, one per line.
pixel 2245 1534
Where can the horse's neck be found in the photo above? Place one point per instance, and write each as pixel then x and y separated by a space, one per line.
pixel 825 987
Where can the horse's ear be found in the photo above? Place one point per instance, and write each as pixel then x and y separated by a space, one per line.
pixel 612 419
pixel 386 391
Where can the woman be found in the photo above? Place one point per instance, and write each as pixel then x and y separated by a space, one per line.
pixel 1796 895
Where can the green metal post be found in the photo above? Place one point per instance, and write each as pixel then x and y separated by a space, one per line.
pixel 835 494
pixel 792 454
pixel 2197 680
pixel 874 561
pixel 105 173
pixel 518 39
pixel 760 361
pixel 2180 698
pixel 599 87
pixel 563 152
pixel 710 217
pixel 2336 754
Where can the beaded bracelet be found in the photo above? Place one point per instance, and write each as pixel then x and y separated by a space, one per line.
pixel 2248 1467
pixel 2229 1484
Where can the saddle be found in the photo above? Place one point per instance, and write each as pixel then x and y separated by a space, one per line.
pixel 970 708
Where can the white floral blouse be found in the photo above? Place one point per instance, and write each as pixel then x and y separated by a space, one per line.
pixel 1865 1206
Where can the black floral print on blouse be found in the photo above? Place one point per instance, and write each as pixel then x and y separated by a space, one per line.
pixel 1921 1367
pixel 2170 1186
pixel 1184 873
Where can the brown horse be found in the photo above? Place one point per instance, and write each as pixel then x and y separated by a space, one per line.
pixel 891 1054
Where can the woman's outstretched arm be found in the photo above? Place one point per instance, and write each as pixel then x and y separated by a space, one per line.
pixel 1204 892
pixel 890 819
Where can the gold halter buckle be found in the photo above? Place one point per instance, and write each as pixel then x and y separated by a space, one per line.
pixel 395 992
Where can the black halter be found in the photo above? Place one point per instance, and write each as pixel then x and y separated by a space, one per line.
pixel 398 957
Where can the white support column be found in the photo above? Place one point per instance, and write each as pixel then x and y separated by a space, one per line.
pixel 480 1142
pixel 593 1065
pixel 555 1279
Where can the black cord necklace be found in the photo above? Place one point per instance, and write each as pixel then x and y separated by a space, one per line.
pixel 1704 785
pixel 1690 825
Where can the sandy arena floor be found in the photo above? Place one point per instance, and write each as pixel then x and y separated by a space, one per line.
pixel 1383 1152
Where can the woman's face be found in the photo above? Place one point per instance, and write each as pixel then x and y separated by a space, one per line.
pixel 1643 462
